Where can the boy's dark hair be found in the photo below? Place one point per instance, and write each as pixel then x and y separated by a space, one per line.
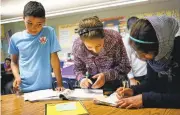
pixel 91 27
pixel 34 9
pixel 144 31
pixel 131 21
pixel 8 59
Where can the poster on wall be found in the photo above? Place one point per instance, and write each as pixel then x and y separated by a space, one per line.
pixel 67 36
pixel 116 23
pixel 111 24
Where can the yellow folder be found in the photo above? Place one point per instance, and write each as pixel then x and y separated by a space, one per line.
pixel 50 109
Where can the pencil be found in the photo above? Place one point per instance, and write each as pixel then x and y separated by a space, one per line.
pixel 124 85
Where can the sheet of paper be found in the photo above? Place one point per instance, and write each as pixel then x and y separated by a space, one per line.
pixel 66 106
pixel 110 100
pixel 86 93
pixel 40 94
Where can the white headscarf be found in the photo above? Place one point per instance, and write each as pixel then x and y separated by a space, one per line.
pixel 166 29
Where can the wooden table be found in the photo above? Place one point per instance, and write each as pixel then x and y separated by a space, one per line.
pixel 13 105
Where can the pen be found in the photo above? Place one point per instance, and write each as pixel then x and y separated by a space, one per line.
pixel 124 85
pixel 87 78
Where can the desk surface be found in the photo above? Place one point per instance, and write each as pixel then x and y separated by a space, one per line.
pixel 13 105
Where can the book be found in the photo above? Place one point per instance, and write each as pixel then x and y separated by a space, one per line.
pixel 103 100
pixel 67 94
pixel 70 108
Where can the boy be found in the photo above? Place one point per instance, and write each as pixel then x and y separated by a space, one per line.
pixel 33 52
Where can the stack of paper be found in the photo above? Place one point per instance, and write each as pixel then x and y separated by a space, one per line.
pixel 47 94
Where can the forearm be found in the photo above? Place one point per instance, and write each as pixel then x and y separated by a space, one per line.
pixel 117 73
pixel 15 69
pixel 161 100
pixel 57 71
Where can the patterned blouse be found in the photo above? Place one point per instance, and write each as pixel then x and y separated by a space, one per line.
pixel 112 59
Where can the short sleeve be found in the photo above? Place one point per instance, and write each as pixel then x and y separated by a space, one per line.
pixel 55 47
pixel 12 47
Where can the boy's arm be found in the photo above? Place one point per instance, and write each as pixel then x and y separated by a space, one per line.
pixel 15 71
pixel 55 63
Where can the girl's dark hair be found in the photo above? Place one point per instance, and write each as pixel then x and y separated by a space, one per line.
pixel 144 31
pixel 8 59
pixel 131 21
pixel 91 27
pixel 35 9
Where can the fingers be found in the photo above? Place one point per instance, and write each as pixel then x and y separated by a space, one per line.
pixel 118 96
pixel 95 76
pixel 60 89
pixel 123 105
pixel 90 81
pixel 129 106
pixel 84 84
pixel 97 84
pixel 15 85
pixel 119 103
pixel 18 82
pixel 119 90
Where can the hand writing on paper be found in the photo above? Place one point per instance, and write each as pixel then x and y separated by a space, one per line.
pixel 131 102
pixel 125 92
pixel 85 83
pixel 100 80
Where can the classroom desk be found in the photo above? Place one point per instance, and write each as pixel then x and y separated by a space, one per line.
pixel 13 105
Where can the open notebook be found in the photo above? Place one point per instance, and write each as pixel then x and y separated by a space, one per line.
pixel 70 108
pixel 110 100
pixel 77 94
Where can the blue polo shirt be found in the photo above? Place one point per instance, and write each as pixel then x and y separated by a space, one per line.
pixel 34 53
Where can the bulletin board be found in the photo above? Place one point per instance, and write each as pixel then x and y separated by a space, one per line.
pixel 67 36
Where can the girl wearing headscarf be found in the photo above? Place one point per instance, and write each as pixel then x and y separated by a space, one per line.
pixel 153 40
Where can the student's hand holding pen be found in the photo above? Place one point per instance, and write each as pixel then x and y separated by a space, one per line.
pixel 124 92
pixel 85 83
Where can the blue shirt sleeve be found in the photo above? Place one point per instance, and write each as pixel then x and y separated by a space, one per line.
pixel 12 47
pixel 55 47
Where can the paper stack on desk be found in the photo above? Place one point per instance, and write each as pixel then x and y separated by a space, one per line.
pixel 49 94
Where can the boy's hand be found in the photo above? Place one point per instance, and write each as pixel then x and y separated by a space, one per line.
pixel 60 88
pixel 85 83
pixel 16 84
pixel 100 80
